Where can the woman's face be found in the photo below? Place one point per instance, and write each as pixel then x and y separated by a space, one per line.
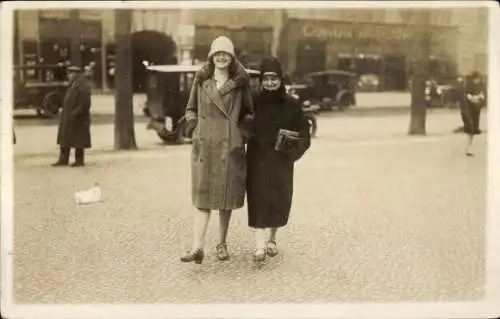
pixel 271 81
pixel 222 60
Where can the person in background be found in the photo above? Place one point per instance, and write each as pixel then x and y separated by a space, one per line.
pixel 472 99
pixel 74 126
pixel 219 103
pixel 270 168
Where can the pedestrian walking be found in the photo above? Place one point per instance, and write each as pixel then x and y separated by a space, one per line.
pixel 472 99
pixel 74 126
pixel 220 106
pixel 271 166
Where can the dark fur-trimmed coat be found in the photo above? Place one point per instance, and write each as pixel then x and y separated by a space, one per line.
pixel 270 172
pixel 218 160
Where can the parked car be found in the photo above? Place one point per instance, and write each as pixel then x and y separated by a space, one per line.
pixel 328 89
pixel 368 83
pixel 45 93
pixel 443 93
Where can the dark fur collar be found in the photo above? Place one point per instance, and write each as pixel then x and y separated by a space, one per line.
pixel 240 76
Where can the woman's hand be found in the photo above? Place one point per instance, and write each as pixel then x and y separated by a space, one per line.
pixel 190 126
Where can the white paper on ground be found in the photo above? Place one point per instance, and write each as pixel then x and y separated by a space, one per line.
pixel 88 196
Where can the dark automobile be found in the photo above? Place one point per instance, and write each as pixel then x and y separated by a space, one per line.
pixel 328 89
pixel 40 87
pixel 368 83
pixel 167 93
pixel 441 94
pixel 445 92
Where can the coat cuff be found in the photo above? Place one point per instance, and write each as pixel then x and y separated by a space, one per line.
pixel 191 116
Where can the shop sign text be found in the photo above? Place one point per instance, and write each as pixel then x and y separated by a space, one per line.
pixel 364 31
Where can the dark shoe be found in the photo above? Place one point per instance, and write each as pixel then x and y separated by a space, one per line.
pixel 59 163
pixel 271 248
pixel 63 157
pixel 196 256
pixel 222 252
pixel 259 255
pixel 76 164
pixel 79 158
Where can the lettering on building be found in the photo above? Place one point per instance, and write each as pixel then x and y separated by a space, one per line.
pixel 366 31
pixel 312 31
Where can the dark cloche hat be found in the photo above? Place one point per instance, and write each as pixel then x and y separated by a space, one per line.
pixel 271 64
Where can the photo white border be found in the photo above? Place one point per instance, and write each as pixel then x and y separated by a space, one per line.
pixel 490 307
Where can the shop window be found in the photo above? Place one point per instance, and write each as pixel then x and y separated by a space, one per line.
pixel 311 57
pixel 200 52
pixel 368 65
pixel 30 59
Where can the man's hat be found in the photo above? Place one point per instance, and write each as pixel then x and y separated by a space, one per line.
pixel 74 68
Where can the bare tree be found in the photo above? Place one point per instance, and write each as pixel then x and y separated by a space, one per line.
pixel 75 41
pixel 420 74
pixel 124 113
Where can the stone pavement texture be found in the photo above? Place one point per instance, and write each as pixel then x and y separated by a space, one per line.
pixel 377 216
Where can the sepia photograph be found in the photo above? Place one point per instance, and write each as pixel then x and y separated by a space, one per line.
pixel 250 159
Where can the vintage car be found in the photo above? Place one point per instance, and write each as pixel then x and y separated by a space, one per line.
pixel 167 93
pixel 327 89
pixel 441 94
pixel 445 92
pixel 368 83
pixel 41 88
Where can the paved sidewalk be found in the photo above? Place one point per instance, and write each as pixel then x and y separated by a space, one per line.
pixel 375 211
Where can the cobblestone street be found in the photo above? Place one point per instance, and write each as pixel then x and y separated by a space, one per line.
pixel 377 216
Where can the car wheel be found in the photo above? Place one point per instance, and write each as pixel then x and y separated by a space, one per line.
pixel 50 105
pixel 344 102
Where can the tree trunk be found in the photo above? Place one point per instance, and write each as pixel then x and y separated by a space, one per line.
pixel 124 113
pixel 75 41
pixel 420 75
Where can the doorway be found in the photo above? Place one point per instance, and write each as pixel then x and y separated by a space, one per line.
pixel 311 57
pixel 153 47
pixel 395 72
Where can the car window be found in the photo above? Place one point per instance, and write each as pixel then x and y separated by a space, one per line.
pixel 186 81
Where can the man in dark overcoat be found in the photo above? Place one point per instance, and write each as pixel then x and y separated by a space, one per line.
pixel 74 126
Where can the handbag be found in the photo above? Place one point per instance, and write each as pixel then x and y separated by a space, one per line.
pixel 286 140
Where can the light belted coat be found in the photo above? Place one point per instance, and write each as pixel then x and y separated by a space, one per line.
pixel 218 159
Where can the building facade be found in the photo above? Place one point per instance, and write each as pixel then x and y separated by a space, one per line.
pixel 381 41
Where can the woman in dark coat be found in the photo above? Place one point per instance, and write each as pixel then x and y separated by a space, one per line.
pixel 270 171
pixel 74 126
pixel 472 99
pixel 219 102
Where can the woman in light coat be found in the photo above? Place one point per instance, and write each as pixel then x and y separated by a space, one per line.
pixel 219 107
